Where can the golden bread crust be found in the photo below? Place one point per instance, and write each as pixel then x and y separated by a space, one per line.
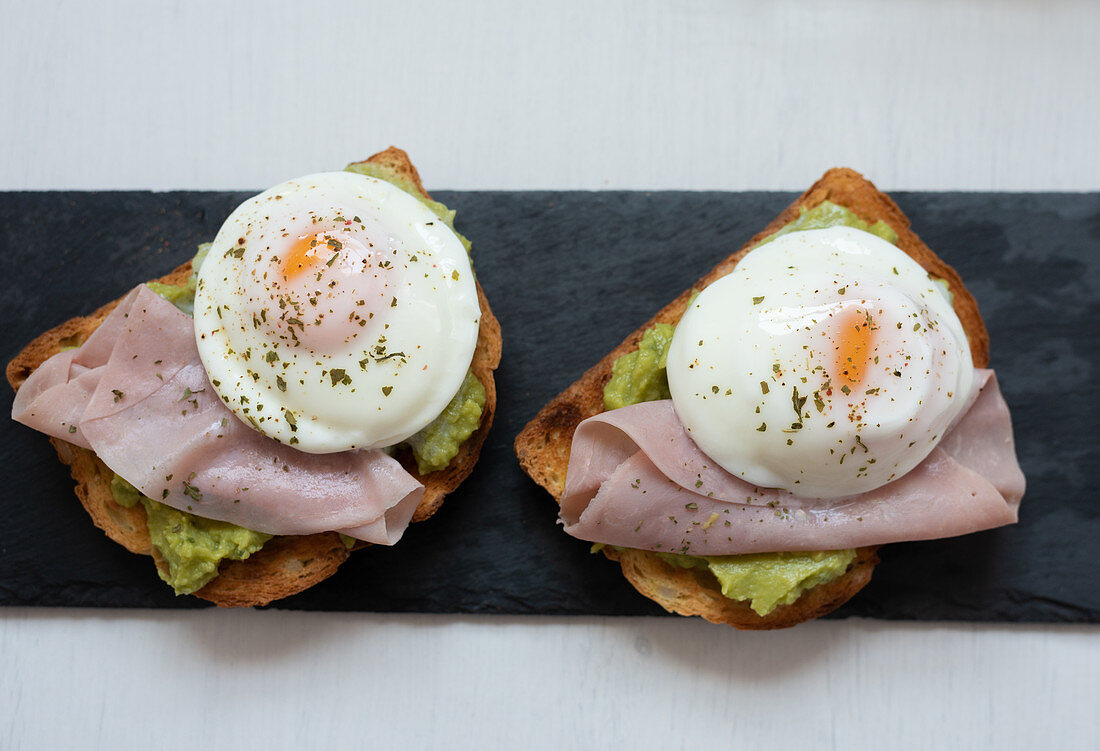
pixel 543 445
pixel 285 565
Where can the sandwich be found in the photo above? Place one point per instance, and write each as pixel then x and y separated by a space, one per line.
pixel 318 377
pixel 823 391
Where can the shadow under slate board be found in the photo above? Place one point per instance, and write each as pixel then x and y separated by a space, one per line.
pixel 569 274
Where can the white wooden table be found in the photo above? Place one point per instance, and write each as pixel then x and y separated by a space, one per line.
pixel 568 94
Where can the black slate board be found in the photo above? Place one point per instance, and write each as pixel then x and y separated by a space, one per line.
pixel 569 275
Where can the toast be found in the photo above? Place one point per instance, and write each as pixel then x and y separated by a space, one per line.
pixel 286 565
pixel 544 444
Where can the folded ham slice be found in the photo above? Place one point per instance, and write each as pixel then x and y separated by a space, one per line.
pixel 636 479
pixel 137 395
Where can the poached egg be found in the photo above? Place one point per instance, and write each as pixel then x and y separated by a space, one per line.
pixel 828 363
pixel 336 311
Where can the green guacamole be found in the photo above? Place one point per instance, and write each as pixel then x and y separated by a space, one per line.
pixel 192 546
pixel 766 579
pixel 438 443
pixel 183 297
pixel 640 376
pixel 828 214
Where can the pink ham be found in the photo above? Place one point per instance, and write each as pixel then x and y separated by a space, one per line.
pixel 636 479
pixel 136 393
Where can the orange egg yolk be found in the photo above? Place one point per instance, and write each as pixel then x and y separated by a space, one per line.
pixel 308 251
pixel 853 344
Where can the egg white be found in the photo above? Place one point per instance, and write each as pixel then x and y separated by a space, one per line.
pixel 827 363
pixel 336 311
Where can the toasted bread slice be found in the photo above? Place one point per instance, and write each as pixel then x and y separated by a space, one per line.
pixel 543 445
pixel 285 565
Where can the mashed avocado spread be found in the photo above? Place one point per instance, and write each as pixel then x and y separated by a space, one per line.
pixel 183 297
pixel 193 546
pixel 438 443
pixel 190 545
pixel 828 214
pixel 767 580
pixel 640 376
